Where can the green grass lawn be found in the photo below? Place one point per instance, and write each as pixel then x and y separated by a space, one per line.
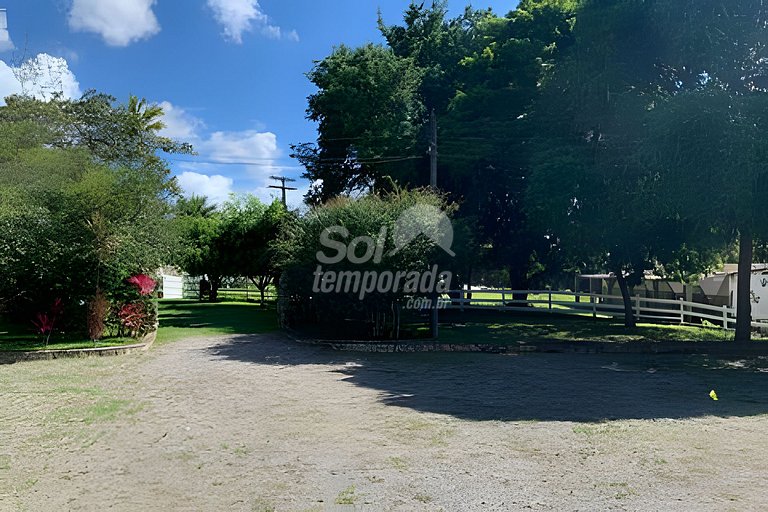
pixel 185 318
pixel 14 337
pixel 178 319
pixel 480 298
pixel 485 298
pixel 510 327
pixel 250 294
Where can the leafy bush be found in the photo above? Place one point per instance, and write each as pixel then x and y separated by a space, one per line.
pixel 46 322
pixel 78 215
pixel 376 314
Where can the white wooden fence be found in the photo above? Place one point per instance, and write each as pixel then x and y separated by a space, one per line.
pixel 645 309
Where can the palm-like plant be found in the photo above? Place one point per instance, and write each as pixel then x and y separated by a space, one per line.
pixel 195 206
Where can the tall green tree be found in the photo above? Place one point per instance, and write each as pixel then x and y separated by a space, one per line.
pixel 235 240
pixel 480 74
pixel 586 190
pixel 654 97
pixel 369 116
pixel 485 134
pixel 708 125
pixel 251 229
pixel 83 199
pixel 115 134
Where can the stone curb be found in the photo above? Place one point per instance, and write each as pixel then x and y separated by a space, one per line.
pixel 547 346
pixel 48 355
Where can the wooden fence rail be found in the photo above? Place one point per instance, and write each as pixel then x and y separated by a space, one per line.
pixel 646 309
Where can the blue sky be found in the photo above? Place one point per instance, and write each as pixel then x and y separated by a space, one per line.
pixel 230 73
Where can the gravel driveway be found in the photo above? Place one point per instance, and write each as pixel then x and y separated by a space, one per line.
pixel 260 423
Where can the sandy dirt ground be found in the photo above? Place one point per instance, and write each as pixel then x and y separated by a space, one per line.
pixel 260 423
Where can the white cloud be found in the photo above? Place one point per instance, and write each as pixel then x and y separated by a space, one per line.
pixel 243 146
pixel 252 148
pixel 216 188
pixel 8 83
pixel 41 77
pixel 118 22
pixel 239 16
pixel 255 151
pixel 245 158
pixel 179 124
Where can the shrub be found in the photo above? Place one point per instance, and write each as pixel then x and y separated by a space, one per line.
pixel 46 322
pixel 137 317
pixel 377 314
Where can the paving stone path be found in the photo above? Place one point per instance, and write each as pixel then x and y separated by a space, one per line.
pixel 260 423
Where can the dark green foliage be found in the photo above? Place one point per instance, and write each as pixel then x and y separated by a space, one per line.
pixel 376 314
pixel 83 203
pixel 369 117
pixel 480 73
pixel 236 240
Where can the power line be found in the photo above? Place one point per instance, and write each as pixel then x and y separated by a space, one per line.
pixel 254 161
pixel 265 163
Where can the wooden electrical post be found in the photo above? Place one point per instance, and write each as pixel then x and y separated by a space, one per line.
pixel 283 180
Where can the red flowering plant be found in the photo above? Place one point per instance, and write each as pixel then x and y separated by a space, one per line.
pixel 137 317
pixel 46 322
pixel 133 317
pixel 144 284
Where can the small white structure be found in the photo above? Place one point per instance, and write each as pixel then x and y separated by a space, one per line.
pixel 723 287
pixel 171 287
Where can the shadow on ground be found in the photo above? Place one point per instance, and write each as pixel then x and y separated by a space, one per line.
pixel 544 387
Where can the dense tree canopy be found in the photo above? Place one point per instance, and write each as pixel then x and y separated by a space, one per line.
pixel 480 74
pixel 236 239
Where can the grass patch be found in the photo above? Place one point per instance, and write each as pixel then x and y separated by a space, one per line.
pixel 261 505
pixel 103 409
pixel 249 294
pixel 22 338
pixel 423 498
pixel 32 346
pixel 511 327
pixel 398 463
pixel 106 410
pixel 186 319
pixel 480 298
pixel 347 497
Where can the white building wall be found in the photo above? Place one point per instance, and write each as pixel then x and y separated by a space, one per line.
pixel 759 289
pixel 173 287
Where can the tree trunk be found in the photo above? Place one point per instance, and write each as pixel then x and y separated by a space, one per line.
pixel 518 281
pixel 468 295
pixel 629 311
pixel 214 293
pixel 744 288
pixel 262 283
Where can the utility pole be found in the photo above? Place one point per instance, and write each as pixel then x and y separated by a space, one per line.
pixel 283 180
pixel 433 149
pixel 433 183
